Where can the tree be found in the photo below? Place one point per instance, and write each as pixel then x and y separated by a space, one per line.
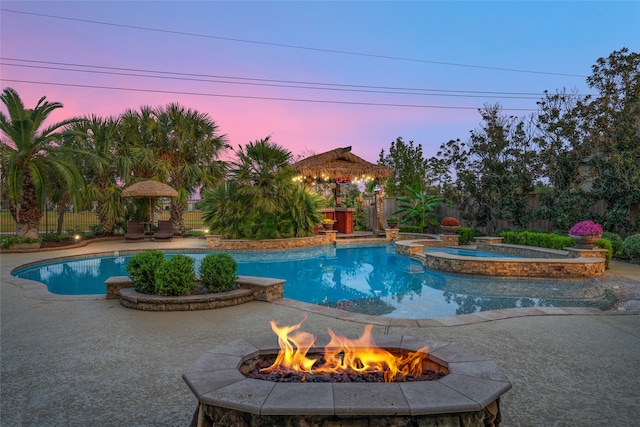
pixel 408 164
pixel 562 160
pixel 611 124
pixel 260 199
pixel 99 139
pixel 495 171
pixel 175 145
pixel 31 154
pixel 188 149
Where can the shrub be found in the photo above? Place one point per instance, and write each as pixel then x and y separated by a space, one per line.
pixel 6 241
pixel 513 237
pixel 631 247
pixel 606 244
pixel 541 240
pixel 176 276
pixel 142 270
pixel 410 229
pixel 466 235
pixel 450 221
pixel 218 272
pixel 586 228
pixel 616 242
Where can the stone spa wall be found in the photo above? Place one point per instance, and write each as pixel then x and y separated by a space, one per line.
pixel 571 263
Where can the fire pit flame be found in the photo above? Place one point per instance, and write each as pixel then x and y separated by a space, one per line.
pixel 341 354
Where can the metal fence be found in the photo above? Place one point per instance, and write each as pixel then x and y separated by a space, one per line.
pixel 83 221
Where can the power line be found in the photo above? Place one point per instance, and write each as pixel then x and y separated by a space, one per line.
pixel 290 46
pixel 340 85
pixel 440 93
pixel 317 101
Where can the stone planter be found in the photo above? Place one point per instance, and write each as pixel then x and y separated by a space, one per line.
pixel 449 229
pixel 584 242
pixel 392 224
pixel 24 246
pixel 327 226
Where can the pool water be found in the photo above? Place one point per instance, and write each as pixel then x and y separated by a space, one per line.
pixel 368 280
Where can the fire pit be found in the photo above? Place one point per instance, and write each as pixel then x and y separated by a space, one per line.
pixel 465 390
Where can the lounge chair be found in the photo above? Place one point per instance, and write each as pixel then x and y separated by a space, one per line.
pixel 164 231
pixel 135 231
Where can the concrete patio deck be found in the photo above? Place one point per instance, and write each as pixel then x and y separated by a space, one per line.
pixel 87 361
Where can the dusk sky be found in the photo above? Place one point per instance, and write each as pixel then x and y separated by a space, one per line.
pixel 313 75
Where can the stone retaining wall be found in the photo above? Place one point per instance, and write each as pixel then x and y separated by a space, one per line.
pixel 567 268
pixel 523 251
pixel 419 242
pixel 326 237
pixel 251 289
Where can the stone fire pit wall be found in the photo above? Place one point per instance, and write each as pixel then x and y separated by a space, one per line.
pixel 467 397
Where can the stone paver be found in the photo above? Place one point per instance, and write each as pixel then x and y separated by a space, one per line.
pixel 88 361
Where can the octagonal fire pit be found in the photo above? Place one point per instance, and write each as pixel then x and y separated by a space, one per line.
pixel 465 390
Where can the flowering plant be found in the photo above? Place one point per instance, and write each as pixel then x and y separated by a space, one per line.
pixel 451 222
pixel 328 221
pixel 586 228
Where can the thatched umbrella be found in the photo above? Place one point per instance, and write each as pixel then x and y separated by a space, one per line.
pixel 340 163
pixel 149 190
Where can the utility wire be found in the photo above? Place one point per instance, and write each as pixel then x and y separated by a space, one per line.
pixel 272 84
pixel 339 85
pixel 318 101
pixel 290 46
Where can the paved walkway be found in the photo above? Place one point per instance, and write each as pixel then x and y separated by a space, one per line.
pixel 85 362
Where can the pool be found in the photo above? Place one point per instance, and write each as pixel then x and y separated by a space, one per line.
pixel 369 280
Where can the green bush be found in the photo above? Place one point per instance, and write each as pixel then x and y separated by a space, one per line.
pixel 467 234
pixel 606 244
pixel 513 237
pixel 410 229
pixel 7 241
pixel 176 276
pixel 616 242
pixel 540 240
pixel 631 247
pixel 142 270
pixel 218 272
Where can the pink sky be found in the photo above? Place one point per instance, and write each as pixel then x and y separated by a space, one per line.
pixel 477 36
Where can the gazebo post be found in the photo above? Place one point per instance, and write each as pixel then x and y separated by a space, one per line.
pixel 378 199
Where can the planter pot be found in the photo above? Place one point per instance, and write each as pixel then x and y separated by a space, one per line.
pixel 328 226
pixel 450 229
pixel 584 242
pixel 392 224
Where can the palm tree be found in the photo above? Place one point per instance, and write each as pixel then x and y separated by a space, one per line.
pixel 174 145
pixel 187 150
pixel 99 138
pixel 260 200
pixel 30 156
pixel 138 138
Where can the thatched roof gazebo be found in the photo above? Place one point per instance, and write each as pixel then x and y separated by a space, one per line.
pixel 342 166
pixel 338 164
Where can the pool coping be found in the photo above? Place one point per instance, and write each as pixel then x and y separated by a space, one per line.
pixel 36 290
